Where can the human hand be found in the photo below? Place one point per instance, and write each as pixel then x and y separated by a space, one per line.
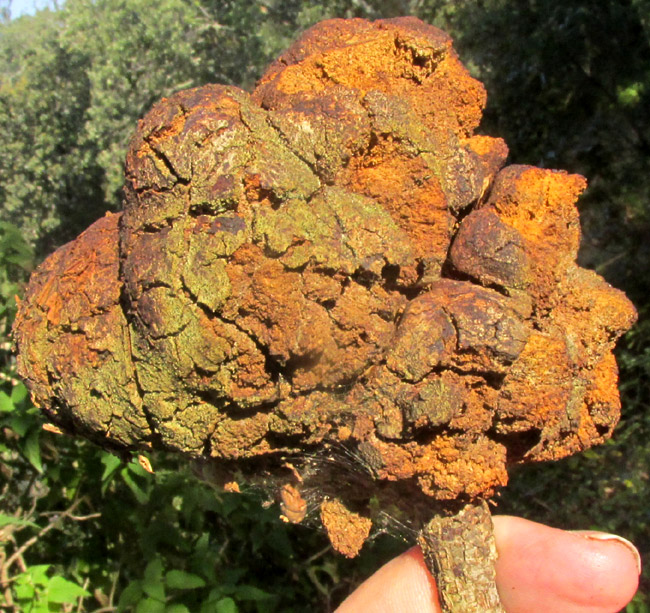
pixel 540 569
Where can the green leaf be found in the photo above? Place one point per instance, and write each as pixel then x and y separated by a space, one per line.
pixel 630 95
pixel 24 591
pixel 38 573
pixel 176 608
pixel 6 520
pixel 6 403
pixel 140 495
pixel 111 464
pixel 154 570
pixel 250 592
pixel 130 596
pixel 26 584
pixel 226 605
pixel 19 393
pixel 181 580
pixel 203 543
pixel 22 421
pixel 152 584
pixel 154 588
pixel 216 593
pixel 61 590
pixel 150 605
pixel 32 450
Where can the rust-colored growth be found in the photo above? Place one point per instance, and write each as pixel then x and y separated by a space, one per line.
pixel 347 530
pixel 334 270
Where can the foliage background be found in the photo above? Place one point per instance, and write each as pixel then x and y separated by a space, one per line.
pixel 81 530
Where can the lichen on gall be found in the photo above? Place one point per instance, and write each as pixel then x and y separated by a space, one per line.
pixel 333 271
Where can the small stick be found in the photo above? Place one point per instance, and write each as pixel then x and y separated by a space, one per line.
pixel 460 552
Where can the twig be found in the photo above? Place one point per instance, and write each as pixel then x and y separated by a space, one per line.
pixel 318 554
pixel 460 552
pixel 4 582
pixel 84 517
pixel 53 523
pixel 211 22
pixel 607 263
pixel 73 517
pixel 81 598
pixel 111 596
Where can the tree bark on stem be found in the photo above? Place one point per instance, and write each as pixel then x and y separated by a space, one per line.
pixel 460 552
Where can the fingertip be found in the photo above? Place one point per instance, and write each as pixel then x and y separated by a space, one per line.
pixel 615 566
pixel 539 569
pixel 628 545
pixel 403 585
pixel 539 566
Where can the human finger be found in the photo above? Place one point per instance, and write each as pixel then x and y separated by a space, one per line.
pixel 403 585
pixel 539 569
pixel 546 569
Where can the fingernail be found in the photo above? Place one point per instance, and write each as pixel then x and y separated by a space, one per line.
pixel 603 536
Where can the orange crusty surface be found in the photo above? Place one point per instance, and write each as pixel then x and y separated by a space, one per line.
pixel 333 262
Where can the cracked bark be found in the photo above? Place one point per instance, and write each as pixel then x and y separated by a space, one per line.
pixel 460 551
pixel 336 262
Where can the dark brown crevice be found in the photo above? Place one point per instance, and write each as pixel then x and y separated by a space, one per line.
pixel 298 362
pixel 208 209
pixel 492 379
pixel 287 143
pixel 463 212
pixel 516 444
pixel 425 435
pixel 272 365
pixel 159 226
pixel 391 282
pixel 602 429
pixel 390 274
pixel 262 195
pixel 155 284
pixel 162 157
pixel 210 397
pixel 365 278
pixel 284 442
pixel 231 409
pixel 206 451
pixel 449 271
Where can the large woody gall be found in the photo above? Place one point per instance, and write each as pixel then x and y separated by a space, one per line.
pixel 334 266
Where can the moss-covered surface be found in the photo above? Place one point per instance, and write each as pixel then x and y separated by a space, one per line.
pixel 332 284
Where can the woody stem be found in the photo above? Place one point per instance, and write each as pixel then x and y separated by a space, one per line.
pixel 460 552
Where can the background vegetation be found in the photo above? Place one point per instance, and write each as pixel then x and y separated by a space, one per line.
pixel 82 530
